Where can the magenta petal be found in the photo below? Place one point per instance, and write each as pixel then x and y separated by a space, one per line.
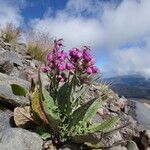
pixel 89 70
pixel 45 69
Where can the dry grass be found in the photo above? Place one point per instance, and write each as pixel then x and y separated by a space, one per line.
pixel 38 45
pixel 10 33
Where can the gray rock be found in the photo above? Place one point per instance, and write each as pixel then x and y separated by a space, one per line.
pixel 97 119
pixel 22 45
pixel 132 146
pixel 19 139
pixel 140 113
pixel 12 57
pixel 119 147
pixel 69 146
pixel 5 119
pixel 115 137
pixel 114 108
pixel 6 66
pixel 6 93
pixel 145 138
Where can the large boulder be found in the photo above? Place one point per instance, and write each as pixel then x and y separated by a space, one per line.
pixel 6 93
pixel 5 119
pixel 140 112
pixel 12 57
pixel 19 139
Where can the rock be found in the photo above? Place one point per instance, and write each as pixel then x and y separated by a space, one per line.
pixel 132 146
pixel 19 139
pixel 119 147
pixel 111 139
pixel 140 113
pixel 145 138
pixel 115 137
pixel 22 45
pixel 6 93
pixel 114 108
pixel 12 57
pixel 122 102
pixel 5 119
pixel 69 146
pixel 8 46
pixel 6 66
pixel 97 119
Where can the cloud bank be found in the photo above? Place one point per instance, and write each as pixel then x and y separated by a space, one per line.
pixel 10 11
pixel 117 29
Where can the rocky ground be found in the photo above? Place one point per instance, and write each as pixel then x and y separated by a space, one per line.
pixel 16 67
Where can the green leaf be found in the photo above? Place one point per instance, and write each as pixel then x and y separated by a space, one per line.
pixel 105 126
pixel 80 113
pixel 18 90
pixel 50 111
pixel 44 132
pixel 89 138
pixel 38 114
pixel 91 112
pixel 79 93
pixel 48 98
pixel 62 97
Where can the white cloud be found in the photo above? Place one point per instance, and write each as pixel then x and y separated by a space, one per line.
pixel 132 60
pixel 109 26
pixel 10 12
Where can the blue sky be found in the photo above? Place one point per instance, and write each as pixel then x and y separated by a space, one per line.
pixel 118 31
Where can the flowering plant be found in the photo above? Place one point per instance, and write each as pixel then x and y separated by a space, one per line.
pixel 61 105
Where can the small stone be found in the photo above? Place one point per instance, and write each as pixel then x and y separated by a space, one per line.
pixel 132 146
pixel 6 66
pixel 145 138
pixel 114 108
pixel 103 111
pixel 97 119
pixel 69 146
pixel 119 147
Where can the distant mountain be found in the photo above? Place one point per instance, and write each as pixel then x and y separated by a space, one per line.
pixel 131 86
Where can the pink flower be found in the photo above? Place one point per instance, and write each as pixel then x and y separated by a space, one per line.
pixel 70 66
pixel 86 55
pixel 62 55
pixel 57 44
pixel 92 62
pixel 60 78
pixel 89 70
pixel 75 53
pixel 45 69
pixel 94 69
pixel 50 57
pixel 57 62
pixel 61 67
pixel 79 55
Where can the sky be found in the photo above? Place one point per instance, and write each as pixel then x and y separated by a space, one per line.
pixel 118 31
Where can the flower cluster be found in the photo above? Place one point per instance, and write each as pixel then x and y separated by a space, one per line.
pixel 76 61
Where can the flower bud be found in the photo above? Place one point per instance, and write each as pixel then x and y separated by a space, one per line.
pixel 50 57
pixel 89 70
pixel 61 67
pixel 86 55
pixel 45 69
